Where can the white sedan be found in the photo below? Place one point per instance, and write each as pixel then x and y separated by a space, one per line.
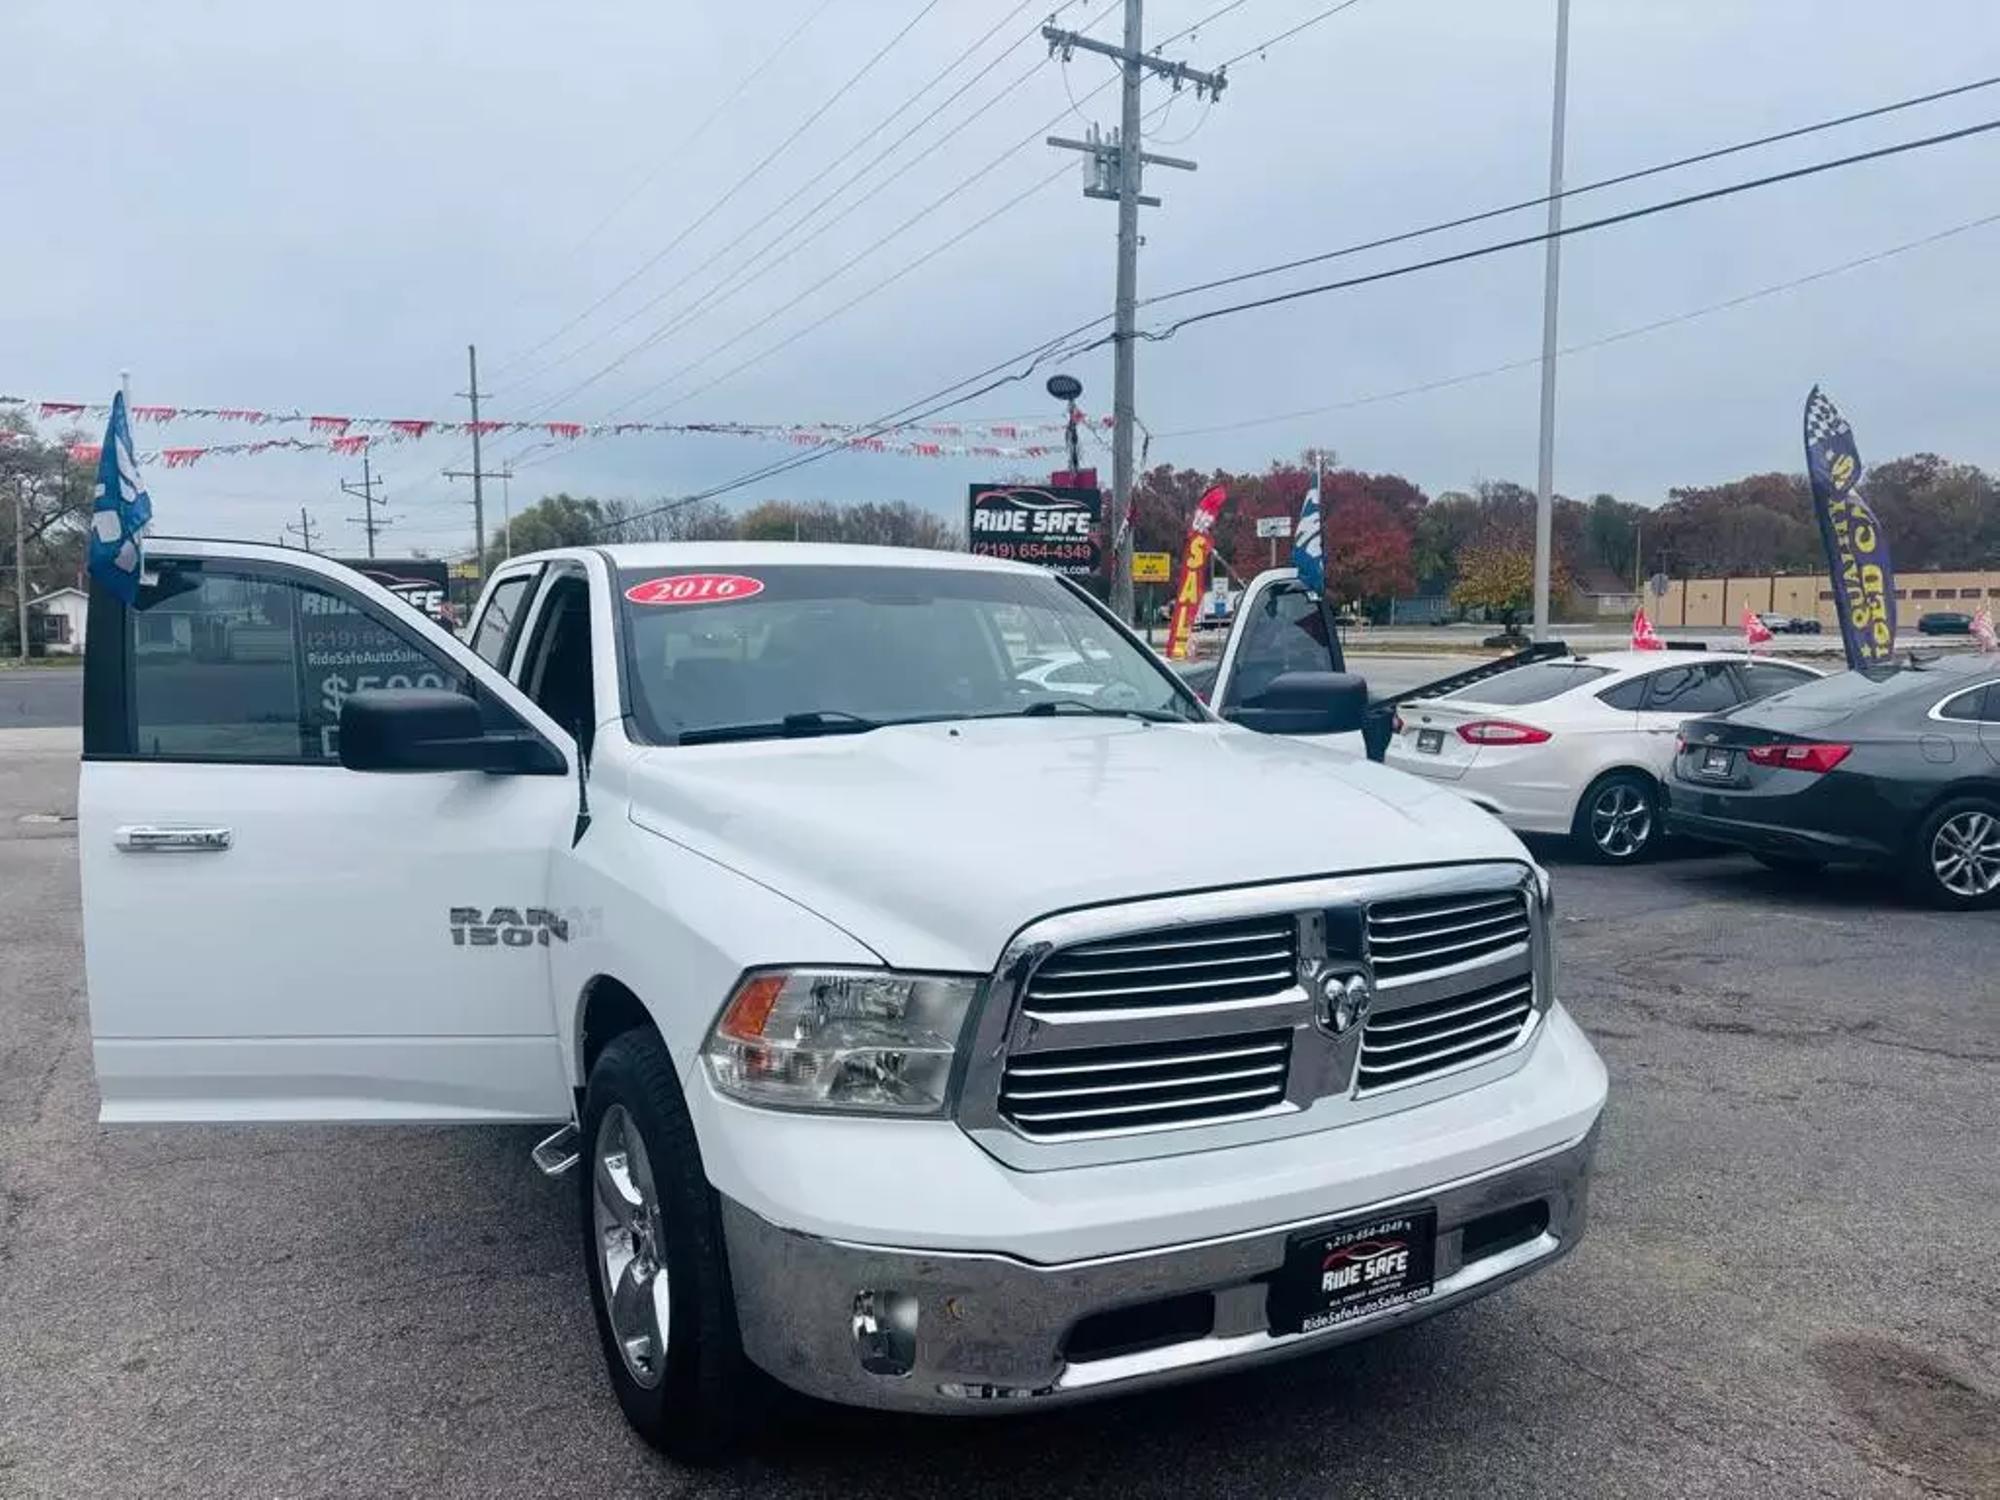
pixel 1578 745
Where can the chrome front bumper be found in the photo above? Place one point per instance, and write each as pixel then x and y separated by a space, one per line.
pixel 990 1332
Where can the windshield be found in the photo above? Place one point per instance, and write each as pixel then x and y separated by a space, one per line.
pixel 769 651
pixel 1534 683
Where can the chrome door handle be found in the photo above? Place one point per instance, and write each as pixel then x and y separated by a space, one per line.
pixel 144 838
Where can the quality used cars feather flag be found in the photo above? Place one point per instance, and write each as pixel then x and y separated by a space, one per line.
pixel 1857 550
pixel 119 510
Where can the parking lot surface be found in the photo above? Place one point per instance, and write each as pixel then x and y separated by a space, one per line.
pixel 1791 1286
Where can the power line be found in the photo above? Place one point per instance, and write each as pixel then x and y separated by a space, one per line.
pixel 747 178
pixel 1285 36
pixel 739 268
pixel 1629 215
pixel 1714 154
pixel 1620 336
pixel 671 158
pixel 943 400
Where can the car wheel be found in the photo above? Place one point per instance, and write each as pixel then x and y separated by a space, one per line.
pixel 658 1269
pixel 1956 862
pixel 1618 820
pixel 1789 864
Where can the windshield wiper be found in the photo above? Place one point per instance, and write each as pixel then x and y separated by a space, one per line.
pixel 791 727
pixel 1049 707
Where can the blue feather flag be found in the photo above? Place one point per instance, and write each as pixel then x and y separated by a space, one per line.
pixel 1309 544
pixel 120 509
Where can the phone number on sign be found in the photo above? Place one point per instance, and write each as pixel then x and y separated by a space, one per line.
pixel 1077 554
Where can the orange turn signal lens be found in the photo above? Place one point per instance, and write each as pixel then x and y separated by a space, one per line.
pixel 750 1008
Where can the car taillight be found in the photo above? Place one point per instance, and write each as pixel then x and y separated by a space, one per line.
pixel 1501 732
pixel 1799 757
pixel 1397 724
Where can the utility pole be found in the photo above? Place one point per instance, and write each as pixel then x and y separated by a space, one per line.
pixel 506 478
pixel 304 530
pixel 471 393
pixel 365 493
pixel 21 566
pixel 1545 473
pixel 1112 169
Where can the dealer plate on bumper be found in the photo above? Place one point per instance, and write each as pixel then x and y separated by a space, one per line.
pixel 1338 1273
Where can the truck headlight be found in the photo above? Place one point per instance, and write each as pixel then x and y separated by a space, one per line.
pixel 857 1040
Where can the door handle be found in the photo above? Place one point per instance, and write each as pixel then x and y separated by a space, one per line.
pixel 145 838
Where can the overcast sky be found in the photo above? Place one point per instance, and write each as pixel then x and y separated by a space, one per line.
pixel 319 206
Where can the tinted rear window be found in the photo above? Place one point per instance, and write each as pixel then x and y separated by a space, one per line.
pixel 1535 683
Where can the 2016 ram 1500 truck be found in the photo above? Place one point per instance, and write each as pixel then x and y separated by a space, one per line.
pixel 925 1038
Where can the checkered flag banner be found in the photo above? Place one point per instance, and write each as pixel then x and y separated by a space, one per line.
pixel 1831 454
pixel 120 509
pixel 1857 548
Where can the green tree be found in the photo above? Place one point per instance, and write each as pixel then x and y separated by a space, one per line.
pixel 560 520
pixel 54 489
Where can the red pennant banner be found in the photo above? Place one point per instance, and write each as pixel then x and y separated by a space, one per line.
pixel 482 428
pixel 181 458
pixel 334 425
pixel 410 427
pixel 238 414
pixel 155 413
pixel 563 429
pixel 354 444
pixel 61 409
pixel 85 453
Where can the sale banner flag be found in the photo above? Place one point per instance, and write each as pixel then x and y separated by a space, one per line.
pixel 1194 572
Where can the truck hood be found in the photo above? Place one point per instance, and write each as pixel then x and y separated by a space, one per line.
pixel 934 843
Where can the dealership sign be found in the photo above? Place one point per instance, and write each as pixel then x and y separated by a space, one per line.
pixel 1054 525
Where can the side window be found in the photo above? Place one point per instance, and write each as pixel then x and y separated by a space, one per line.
pixel 1763 678
pixel 1703 688
pixel 1980 704
pixel 1627 695
pixel 243 665
pixel 556 669
pixel 496 625
pixel 1285 631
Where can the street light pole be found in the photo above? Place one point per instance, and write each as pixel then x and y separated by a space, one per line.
pixel 1545 504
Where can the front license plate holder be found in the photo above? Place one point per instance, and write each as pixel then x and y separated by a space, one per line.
pixel 1339 1272
pixel 1430 741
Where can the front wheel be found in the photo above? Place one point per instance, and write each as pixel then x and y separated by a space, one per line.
pixel 658 1269
pixel 1956 861
pixel 1618 820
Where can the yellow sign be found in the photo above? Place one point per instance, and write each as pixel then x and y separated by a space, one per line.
pixel 1152 567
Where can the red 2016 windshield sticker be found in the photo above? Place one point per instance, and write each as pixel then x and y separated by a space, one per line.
pixel 695 588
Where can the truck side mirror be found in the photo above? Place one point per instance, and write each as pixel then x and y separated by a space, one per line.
pixel 433 729
pixel 1305 703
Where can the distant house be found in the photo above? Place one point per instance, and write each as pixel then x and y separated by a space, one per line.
pixel 55 622
pixel 1603 592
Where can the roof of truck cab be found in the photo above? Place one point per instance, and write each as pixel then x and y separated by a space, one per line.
pixel 774 554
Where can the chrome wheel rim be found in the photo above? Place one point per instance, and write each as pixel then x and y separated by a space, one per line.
pixel 1965 854
pixel 1621 820
pixel 631 1250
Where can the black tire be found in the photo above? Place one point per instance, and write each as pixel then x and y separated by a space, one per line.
pixel 1789 864
pixel 703 1388
pixel 1964 824
pixel 1618 818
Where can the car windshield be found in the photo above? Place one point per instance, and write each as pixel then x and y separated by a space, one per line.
pixel 763 651
pixel 1534 683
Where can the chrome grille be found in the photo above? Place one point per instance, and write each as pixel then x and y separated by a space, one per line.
pixel 1414 1042
pixel 1146 1083
pixel 1410 940
pixel 1197 965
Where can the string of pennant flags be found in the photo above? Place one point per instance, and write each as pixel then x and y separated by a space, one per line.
pixel 348 435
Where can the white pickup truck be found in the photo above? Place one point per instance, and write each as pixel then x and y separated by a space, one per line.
pixel 930 1039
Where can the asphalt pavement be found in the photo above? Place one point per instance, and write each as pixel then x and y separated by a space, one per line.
pixel 1791 1284
pixel 40 697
